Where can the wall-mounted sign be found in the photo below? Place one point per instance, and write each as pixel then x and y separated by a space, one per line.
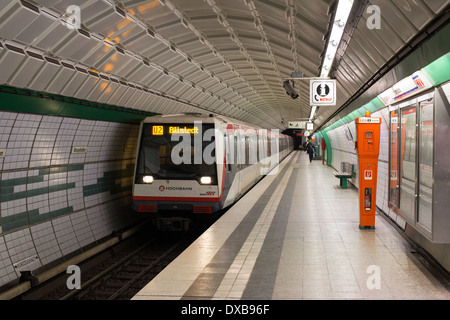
pixel 309 126
pixel 322 92
pixel 26 264
pixel 79 149
pixel 405 88
pixel 297 124
pixel 369 120
pixel 368 174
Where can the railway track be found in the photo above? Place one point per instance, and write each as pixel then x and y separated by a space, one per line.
pixel 123 279
pixel 119 272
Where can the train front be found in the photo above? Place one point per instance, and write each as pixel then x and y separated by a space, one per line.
pixel 176 169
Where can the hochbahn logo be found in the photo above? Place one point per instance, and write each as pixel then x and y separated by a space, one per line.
pixel 163 188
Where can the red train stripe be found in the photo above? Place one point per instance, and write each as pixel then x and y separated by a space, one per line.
pixel 190 199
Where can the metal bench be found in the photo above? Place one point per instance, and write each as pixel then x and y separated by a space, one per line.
pixel 347 172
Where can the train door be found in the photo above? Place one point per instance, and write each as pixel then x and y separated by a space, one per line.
pixel 426 150
pixel 394 165
pixel 407 186
pixel 232 183
pixel 411 160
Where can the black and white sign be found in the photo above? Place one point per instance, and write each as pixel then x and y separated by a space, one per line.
pixel 297 124
pixel 322 92
pixel 79 149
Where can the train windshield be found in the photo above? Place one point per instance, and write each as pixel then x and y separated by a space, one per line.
pixel 177 152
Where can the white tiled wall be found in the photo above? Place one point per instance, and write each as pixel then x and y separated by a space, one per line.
pixel 46 206
pixel 45 242
pixel 20 141
pixel 64 139
pixel 65 234
pixel 7 273
pixel 343 150
pixel 82 230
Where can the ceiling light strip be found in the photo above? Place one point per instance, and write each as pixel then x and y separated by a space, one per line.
pixel 337 30
pixel 343 10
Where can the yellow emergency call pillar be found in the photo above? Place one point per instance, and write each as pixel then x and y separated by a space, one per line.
pixel 368 146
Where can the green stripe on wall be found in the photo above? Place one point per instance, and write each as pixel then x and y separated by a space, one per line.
pixel 7 193
pixel 24 219
pixel 28 101
pixel 439 70
pixel 108 182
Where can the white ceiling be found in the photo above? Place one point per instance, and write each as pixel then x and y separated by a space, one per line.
pixel 222 56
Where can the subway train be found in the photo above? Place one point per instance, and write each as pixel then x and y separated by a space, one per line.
pixel 201 164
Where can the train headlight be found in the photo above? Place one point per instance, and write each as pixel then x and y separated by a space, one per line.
pixel 147 179
pixel 205 180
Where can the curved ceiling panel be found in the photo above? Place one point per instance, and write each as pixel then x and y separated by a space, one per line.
pixel 221 56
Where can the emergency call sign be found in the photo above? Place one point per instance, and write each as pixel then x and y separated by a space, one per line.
pixel 322 92
pixel 368 174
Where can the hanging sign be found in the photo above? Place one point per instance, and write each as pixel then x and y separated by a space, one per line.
pixel 297 124
pixel 322 92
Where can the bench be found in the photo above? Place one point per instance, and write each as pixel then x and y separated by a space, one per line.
pixel 347 172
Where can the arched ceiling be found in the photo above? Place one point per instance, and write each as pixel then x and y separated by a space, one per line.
pixel 220 56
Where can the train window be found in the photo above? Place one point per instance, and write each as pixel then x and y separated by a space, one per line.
pixel 166 156
pixel 247 150
pixel 258 157
pixel 253 148
pixel 408 161
pixel 393 158
pixel 229 151
pixel 262 152
pixel 426 129
pixel 237 156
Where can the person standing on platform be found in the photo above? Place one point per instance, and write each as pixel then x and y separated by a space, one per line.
pixel 310 150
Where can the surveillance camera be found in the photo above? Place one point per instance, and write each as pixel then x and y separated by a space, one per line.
pixel 290 90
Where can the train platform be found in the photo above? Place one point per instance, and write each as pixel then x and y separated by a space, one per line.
pixel 296 235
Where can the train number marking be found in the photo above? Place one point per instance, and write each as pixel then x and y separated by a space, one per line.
pixel 158 130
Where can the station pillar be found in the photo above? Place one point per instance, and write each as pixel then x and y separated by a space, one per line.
pixel 368 146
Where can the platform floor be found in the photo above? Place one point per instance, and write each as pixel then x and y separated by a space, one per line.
pixel 296 236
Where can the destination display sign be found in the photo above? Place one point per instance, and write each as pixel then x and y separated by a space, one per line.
pixel 159 130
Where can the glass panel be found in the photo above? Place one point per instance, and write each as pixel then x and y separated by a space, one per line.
pixel 426 163
pixel 408 161
pixel 393 182
pixel 160 154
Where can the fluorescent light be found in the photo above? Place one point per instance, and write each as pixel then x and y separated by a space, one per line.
pixel 147 179
pixel 205 180
pixel 340 21
pixel 313 111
